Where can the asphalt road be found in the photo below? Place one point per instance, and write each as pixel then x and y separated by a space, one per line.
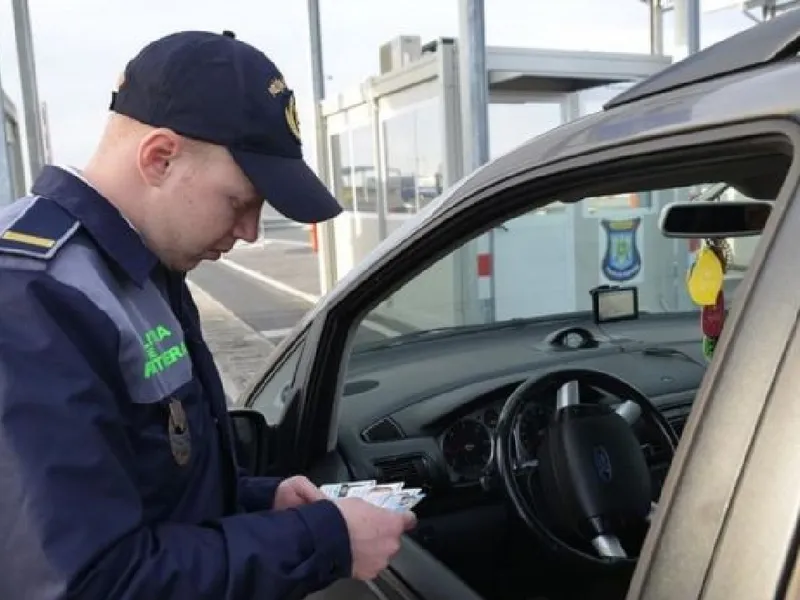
pixel 266 310
pixel 252 280
pixel 252 298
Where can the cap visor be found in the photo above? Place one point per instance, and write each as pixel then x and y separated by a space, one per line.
pixel 289 185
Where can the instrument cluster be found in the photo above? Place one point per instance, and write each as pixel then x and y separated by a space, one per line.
pixel 467 444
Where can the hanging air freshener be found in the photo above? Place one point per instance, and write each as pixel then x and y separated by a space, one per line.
pixel 712 316
pixel 712 319
pixel 706 277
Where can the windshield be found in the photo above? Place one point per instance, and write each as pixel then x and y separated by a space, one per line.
pixel 542 265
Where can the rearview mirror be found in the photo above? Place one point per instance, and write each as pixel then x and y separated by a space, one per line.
pixel 251 435
pixel 714 219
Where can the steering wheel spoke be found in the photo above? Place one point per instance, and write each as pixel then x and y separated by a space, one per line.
pixel 526 467
pixel 568 395
pixel 609 546
pixel 652 513
pixel 630 411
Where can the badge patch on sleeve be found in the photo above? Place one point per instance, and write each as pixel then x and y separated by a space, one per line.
pixel 39 231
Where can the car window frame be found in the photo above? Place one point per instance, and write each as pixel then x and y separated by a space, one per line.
pixel 322 377
pixel 292 345
pixel 275 370
pixel 324 382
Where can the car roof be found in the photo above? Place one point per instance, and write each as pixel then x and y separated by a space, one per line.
pixel 750 75
pixel 752 95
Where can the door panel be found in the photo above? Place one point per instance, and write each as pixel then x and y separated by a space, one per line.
pixel 351 589
pixel 413 575
pixel 428 577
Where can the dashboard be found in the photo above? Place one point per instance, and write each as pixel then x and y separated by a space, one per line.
pixel 425 412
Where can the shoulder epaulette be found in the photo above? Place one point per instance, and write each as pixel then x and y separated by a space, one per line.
pixel 39 231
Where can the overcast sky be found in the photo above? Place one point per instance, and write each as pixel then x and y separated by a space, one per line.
pixel 82 45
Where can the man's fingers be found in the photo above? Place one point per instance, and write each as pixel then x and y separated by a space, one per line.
pixel 409 520
pixel 309 491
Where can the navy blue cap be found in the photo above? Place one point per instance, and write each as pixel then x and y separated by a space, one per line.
pixel 214 88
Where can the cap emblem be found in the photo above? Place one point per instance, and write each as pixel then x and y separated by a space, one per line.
pixel 276 86
pixel 291 118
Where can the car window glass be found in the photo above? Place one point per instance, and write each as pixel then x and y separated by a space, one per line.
pixel 544 263
pixel 269 400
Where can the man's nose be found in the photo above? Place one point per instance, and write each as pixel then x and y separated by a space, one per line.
pixel 247 227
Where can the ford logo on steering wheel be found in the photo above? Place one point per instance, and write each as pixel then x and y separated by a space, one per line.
pixel 602 463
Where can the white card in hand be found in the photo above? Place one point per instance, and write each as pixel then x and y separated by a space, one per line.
pixel 390 496
pixel 348 489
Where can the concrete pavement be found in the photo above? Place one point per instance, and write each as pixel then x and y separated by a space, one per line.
pixel 269 286
pixel 252 298
pixel 239 351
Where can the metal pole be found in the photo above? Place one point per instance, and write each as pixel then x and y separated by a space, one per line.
pixel 474 92
pixel 687 28
pixel 693 26
pixel 474 83
pixel 656 28
pixel 326 239
pixel 30 93
pixel 6 180
pixel 46 139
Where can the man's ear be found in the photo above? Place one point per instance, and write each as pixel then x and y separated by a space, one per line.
pixel 157 151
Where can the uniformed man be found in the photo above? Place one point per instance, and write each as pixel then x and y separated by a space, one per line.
pixel 117 473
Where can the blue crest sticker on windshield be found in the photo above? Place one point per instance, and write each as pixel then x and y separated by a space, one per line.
pixel 622 258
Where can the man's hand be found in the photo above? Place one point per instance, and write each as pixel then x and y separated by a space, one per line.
pixel 296 491
pixel 374 535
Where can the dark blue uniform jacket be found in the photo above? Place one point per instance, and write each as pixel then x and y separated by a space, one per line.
pixel 117 475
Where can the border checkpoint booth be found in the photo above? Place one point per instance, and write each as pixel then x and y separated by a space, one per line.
pixel 394 143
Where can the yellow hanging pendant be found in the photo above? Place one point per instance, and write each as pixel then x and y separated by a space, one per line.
pixel 706 278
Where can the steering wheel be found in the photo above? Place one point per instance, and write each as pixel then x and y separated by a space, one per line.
pixel 592 471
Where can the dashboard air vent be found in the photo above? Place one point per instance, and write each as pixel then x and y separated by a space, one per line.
pixel 351 388
pixel 413 469
pixel 384 430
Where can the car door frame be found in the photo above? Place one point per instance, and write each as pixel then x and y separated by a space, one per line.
pixel 320 377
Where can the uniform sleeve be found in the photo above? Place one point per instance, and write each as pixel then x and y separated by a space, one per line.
pixel 71 519
pixel 257 493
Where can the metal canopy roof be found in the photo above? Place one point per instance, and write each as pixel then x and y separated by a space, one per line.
pixel 511 69
pixel 546 71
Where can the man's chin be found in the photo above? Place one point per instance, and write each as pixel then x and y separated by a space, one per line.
pixel 188 264
pixel 211 255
